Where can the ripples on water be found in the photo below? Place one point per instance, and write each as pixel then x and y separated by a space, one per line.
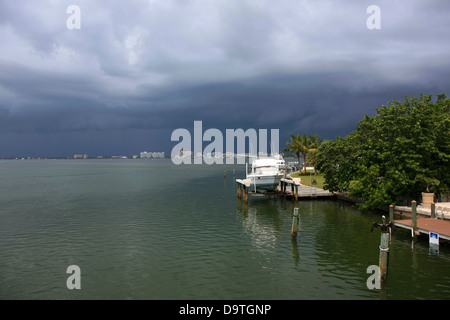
pixel 151 230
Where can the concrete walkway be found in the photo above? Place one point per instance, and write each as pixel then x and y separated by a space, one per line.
pixel 442 210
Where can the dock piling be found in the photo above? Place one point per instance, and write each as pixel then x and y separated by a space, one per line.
pixel 384 255
pixel 295 220
pixel 414 218
pixel 384 246
pixel 245 193
pixel 433 210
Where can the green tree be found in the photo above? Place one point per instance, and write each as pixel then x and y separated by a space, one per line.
pixel 389 154
pixel 314 142
pixel 304 145
pixel 335 159
pixel 297 145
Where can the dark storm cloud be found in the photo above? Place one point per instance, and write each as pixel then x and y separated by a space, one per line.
pixel 137 70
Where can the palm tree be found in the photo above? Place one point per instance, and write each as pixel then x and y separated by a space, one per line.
pixel 304 142
pixel 298 145
pixel 313 146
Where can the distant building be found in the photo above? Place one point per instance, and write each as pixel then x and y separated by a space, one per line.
pixel 150 155
pixel 80 156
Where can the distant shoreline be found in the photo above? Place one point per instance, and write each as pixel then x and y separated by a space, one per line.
pixel 89 158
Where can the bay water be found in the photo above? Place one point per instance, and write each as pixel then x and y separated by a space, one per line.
pixel 149 229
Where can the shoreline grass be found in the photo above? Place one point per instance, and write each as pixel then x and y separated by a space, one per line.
pixel 307 179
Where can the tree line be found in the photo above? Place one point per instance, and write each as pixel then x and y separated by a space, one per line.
pixel 401 151
pixel 305 146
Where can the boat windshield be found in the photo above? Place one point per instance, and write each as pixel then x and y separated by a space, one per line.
pixel 265 169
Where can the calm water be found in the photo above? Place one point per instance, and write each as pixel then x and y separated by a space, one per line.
pixel 143 229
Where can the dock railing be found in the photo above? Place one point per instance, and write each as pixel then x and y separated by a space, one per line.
pixel 442 212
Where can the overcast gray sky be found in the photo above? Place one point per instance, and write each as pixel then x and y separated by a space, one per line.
pixel 137 70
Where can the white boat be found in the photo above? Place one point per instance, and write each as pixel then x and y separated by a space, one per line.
pixel 266 173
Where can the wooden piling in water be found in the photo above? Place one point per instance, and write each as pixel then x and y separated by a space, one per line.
pixel 433 210
pixel 414 218
pixel 384 255
pixel 391 212
pixel 292 192
pixel 294 224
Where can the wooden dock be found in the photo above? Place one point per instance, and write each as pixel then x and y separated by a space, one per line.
pixel 303 191
pixel 441 211
pixel 288 188
pixel 430 225
pixel 427 225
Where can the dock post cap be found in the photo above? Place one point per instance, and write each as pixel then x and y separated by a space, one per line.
pixel 246 182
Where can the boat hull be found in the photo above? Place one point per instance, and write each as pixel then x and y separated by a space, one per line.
pixel 264 183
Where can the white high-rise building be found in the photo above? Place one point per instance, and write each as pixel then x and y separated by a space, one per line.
pixel 149 155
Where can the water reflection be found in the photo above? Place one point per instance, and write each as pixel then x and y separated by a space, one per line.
pixel 295 252
pixel 261 222
pixel 265 221
pixel 434 249
pixel 155 230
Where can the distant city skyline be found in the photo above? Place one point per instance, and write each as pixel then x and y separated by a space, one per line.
pixel 125 75
pixel 151 155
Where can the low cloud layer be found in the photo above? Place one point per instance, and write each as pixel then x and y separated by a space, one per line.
pixel 137 70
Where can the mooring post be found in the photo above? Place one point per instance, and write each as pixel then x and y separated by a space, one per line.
pixel 384 255
pixel 433 210
pixel 296 193
pixel 294 224
pixel 384 246
pixel 391 213
pixel 238 189
pixel 242 190
pixel 414 218
pixel 245 194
